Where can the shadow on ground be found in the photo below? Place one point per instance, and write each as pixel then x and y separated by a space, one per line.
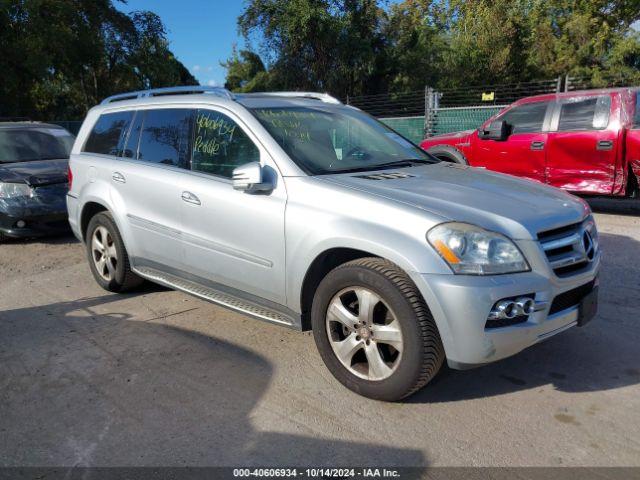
pixel 78 388
pixel 614 206
pixel 65 238
pixel 602 355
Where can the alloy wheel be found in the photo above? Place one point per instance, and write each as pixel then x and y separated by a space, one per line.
pixel 104 253
pixel 364 333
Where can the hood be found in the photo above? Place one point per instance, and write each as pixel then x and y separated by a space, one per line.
pixel 37 173
pixel 515 207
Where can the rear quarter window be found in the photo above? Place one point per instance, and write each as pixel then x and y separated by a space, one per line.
pixel 108 134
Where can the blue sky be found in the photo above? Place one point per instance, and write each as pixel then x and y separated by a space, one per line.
pixel 201 32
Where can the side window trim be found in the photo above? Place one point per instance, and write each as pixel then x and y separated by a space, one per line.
pixel 128 135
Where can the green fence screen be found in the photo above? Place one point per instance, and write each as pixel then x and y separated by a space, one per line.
pixel 443 120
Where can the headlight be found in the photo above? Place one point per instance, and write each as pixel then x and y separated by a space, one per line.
pixel 472 250
pixel 14 190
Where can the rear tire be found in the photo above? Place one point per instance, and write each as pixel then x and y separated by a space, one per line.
pixel 3 237
pixel 108 258
pixel 364 350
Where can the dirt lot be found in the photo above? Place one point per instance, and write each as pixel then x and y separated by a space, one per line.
pixel 160 378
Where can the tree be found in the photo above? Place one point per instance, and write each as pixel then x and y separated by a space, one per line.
pixel 352 47
pixel 61 57
pixel 315 44
pixel 246 72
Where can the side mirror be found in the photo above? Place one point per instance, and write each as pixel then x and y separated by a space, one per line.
pixel 498 130
pixel 248 178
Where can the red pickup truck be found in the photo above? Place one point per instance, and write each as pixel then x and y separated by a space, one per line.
pixel 586 142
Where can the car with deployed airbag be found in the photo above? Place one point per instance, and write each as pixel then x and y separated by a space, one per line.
pixel 33 179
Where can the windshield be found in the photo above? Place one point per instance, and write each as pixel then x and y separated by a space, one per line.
pixel 328 139
pixel 29 144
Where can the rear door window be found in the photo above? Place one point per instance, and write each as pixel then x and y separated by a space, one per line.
pixel 109 133
pixel 584 114
pixel 636 113
pixel 527 118
pixel 220 145
pixel 165 137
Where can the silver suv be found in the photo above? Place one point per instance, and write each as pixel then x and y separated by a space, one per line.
pixel 298 210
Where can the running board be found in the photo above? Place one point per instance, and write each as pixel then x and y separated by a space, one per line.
pixel 242 305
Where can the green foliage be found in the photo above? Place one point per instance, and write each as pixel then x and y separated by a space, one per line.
pixel 352 47
pixel 61 57
pixel 318 44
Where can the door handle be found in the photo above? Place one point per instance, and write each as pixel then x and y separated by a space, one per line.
pixel 190 198
pixel 605 145
pixel 537 145
pixel 118 177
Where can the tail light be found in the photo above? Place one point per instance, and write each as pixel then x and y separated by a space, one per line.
pixel 69 176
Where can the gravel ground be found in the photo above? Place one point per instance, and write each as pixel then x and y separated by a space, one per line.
pixel 89 378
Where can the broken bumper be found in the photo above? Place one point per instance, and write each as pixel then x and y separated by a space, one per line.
pixel 33 216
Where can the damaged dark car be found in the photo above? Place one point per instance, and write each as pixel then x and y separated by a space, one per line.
pixel 34 161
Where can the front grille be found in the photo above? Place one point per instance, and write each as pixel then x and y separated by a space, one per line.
pixel 571 248
pixel 571 298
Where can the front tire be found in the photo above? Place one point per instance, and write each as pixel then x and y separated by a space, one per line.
pixel 108 258
pixel 449 154
pixel 374 331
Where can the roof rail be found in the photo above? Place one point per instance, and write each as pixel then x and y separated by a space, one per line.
pixel 159 92
pixel 323 97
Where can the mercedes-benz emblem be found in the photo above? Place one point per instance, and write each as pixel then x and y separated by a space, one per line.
pixel 587 245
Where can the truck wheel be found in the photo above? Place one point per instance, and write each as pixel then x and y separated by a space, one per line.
pixel 374 331
pixel 448 154
pixel 107 256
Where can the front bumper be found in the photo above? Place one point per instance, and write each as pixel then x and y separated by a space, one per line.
pixel 35 225
pixel 461 304
pixel 43 214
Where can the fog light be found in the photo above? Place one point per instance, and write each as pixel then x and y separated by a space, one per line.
pixel 510 308
pixel 21 224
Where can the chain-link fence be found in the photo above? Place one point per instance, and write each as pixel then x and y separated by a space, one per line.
pixel 428 112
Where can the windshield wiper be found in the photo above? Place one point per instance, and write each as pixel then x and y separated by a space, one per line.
pixel 381 166
pixel 409 162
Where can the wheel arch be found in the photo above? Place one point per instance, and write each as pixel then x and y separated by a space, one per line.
pixel 322 264
pixel 89 210
pixel 448 153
